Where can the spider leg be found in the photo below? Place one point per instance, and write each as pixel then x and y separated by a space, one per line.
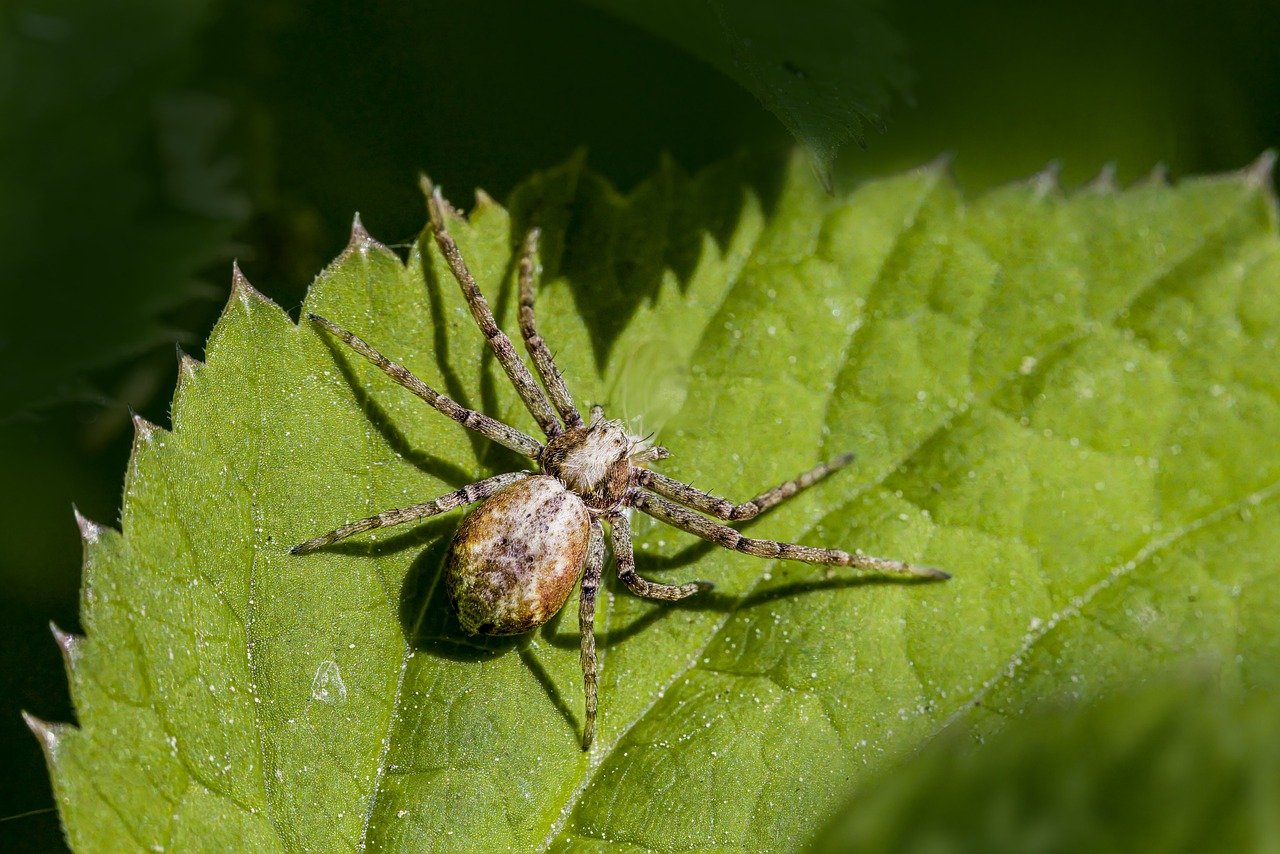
pixel 625 556
pixel 587 629
pixel 497 431
pixel 552 378
pixel 705 502
pixel 722 535
pixel 533 398
pixel 469 494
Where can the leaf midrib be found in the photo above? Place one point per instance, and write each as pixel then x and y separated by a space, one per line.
pixel 598 758
pixel 1118 573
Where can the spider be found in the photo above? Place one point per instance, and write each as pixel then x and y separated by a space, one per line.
pixel 516 558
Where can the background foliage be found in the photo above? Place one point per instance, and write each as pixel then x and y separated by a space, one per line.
pixel 151 142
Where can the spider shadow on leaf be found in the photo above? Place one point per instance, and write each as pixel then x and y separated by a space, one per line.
pixel 429 623
pixel 491 455
pixel 438 467
pixel 711 601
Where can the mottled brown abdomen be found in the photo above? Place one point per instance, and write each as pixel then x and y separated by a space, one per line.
pixel 516 557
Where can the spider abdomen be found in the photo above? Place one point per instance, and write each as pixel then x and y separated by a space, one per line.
pixel 516 557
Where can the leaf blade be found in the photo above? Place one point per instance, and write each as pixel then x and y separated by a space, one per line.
pixel 897 322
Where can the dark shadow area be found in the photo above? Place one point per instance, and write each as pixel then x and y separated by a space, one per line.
pixel 650 562
pixel 614 249
pixel 29 662
pixel 426 616
pixel 548 684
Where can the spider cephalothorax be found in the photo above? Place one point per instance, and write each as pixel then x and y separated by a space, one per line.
pixel 516 558
pixel 594 461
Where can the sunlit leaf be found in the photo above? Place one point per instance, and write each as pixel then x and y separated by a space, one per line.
pixel 1069 401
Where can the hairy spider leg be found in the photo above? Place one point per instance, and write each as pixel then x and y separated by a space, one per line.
pixel 625 557
pixel 543 361
pixel 705 502
pixel 506 436
pixel 469 494
pixel 587 630
pixel 726 537
pixel 534 400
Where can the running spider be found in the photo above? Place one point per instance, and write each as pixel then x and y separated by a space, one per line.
pixel 514 560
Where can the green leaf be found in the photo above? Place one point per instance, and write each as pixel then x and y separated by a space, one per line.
pixel 1069 401
pixel 827 69
pixel 1174 766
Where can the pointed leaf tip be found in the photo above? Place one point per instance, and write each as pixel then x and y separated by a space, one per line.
pixel 484 201
pixel 69 643
pixel 242 291
pixel 49 734
pixel 1045 181
pixel 438 206
pixel 90 531
pixel 940 164
pixel 360 236
pixel 1261 172
pixel 1158 176
pixel 361 240
pixel 1105 182
pixel 425 186
pixel 187 365
pixel 143 429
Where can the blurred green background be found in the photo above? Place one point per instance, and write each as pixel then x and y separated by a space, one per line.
pixel 146 143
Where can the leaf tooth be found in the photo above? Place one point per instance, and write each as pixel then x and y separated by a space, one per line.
pixel 243 292
pixel 425 185
pixel 1158 176
pixel 438 207
pixel 70 644
pixel 1260 172
pixel 143 430
pixel 1045 182
pixel 575 166
pixel 359 233
pixel 90 531
pixel 50 734
pixel 188 366
pixel 361 241
pixel 1105 182
pixel 669 169
pixel 484 201
pixel 940 164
